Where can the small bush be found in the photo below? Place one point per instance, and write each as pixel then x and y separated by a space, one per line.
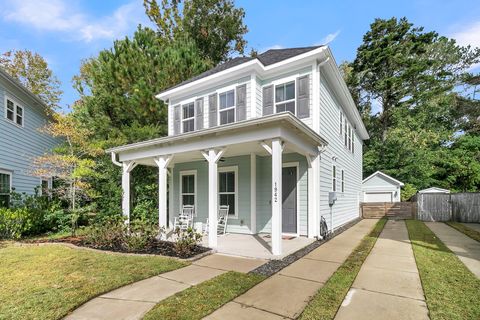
pixel 15 223
pixel 142 234
pixel 186 240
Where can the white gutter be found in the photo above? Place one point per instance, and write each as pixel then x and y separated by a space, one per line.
pixel 114 160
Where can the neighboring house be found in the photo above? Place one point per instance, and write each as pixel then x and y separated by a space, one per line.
pixel 23 113
pixel 380 187
pixel 274 137
pixel 434 190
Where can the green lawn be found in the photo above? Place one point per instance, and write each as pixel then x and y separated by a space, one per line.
pixel 474 234
pixel 451 290
pixel 46 282
pixel 199 301
pixel 325 303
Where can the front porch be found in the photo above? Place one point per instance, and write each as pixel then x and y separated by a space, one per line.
pixel 241 165
pixel 257 246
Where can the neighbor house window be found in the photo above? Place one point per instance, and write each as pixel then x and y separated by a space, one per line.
pixel 188 188
pixel 45 187
pixel 285 97
pixel 334 178
pixel 227 107
pixel 345 133
pixel 13 111
pixel 5 188
pixel 228 188
pixel 188 120
pixel 341 123
pixel 343 181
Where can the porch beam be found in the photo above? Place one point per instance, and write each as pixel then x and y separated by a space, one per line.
pixel 213 156
pixel 127 167
pixel 162 163
pixel 277 149
pixel 266 147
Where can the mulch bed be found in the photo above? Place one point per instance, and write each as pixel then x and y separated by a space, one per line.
pixel 273 266
pixel 157 247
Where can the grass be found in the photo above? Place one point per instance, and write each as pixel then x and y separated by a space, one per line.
pixel 199 301
pixel 451 290
pixel 474 234
pixel 46 282
pixel 325 303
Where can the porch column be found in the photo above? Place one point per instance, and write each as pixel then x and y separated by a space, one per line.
pixel 313 195
pixel 253 193
pixel 162 163
pixel 127 167
pixel 277 149
pixel 212 157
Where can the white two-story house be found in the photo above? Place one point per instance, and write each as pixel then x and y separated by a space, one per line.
pixel 277 137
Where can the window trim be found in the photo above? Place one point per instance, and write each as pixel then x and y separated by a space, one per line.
pixel 195 193
pixel 188 119
pixel 16 105
pixel 235 170
pixel 10 174
pixel 234 107
pixel 283 83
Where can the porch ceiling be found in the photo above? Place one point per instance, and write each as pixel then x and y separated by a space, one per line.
pixel 240 138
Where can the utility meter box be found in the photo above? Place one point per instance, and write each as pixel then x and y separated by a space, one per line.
pixel 332 197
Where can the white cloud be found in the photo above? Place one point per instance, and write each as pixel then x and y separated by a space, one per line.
pixel 468 34
pixel 64 17
pixel 329 37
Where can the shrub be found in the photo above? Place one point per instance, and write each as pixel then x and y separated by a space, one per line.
pixel 186 241
pixel 15 223
pixel 142 234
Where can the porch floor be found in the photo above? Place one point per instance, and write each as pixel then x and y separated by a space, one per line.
pixel 256 246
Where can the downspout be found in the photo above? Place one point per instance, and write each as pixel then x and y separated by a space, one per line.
pixel 114 160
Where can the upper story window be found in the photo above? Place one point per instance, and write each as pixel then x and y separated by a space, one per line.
pixel 227 106
pixel 285 97
pixel 13 112
pixel 341 123
pixel 188 119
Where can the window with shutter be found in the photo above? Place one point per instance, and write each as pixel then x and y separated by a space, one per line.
pixel 188 117
pixel 285 97
pixel 227 106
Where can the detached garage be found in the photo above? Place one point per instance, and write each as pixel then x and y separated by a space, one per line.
pixel 380 187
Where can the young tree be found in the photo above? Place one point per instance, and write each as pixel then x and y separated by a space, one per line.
pixel 31 70
pixel 215 26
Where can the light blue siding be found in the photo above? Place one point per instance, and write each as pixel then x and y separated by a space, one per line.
pixel 241 224
pixel 19 145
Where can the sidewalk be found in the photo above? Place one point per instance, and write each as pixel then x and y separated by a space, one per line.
pixel 135 300
pixel 285 294
pixel 388 285
pixel 466 249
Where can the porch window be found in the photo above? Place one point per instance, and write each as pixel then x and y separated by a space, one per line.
pixel 188 188
pixel 188 119
pixel 227 107
pixel 285 97
pixel 227 189
pixel 5 188
pixel 334 178
pixel 14 112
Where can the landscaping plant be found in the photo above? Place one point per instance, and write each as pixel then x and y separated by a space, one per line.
pixel 186 241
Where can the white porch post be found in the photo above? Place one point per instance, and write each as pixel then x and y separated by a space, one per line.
pixel 253 193
pixel 162 163
pixel 212 157
pixel 277 149
pixel 127 167
pixel 313 195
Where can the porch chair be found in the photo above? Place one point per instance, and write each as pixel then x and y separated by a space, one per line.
pixel 221 222
pixel 185 219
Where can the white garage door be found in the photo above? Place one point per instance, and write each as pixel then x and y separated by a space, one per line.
pixel 378 197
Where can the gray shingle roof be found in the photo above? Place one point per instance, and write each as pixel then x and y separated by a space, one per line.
pixel 267 58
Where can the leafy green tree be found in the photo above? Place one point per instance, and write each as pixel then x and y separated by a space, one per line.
pixel 412 78
pixel 32 70
pixel 118 87
pixel 215 26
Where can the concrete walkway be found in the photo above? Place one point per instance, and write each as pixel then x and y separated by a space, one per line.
pixel 466 249
pixel 285 294
pixel 135 300
pixel 388 285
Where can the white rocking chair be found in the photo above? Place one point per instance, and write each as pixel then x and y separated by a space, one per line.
pixel 185 219
pixel 221 222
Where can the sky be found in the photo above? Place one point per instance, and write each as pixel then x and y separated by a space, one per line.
pixel 65 32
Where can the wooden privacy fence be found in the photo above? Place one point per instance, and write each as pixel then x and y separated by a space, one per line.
pixel 461 207
pixel 397 210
